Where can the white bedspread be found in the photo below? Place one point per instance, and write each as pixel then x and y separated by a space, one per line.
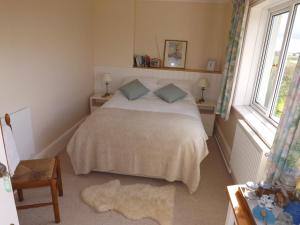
pixel 146 137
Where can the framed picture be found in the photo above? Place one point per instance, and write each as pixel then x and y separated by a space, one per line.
pixel 175 54
pixel 155 63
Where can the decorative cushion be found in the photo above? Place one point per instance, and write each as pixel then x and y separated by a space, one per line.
pixel 185 85
pixel 134 90
pixel 170 93
pixel 149 82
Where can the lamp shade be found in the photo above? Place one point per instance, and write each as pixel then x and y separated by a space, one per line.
pixel 203 82
pixel 107 78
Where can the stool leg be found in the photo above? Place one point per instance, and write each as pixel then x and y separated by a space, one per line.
pixel 59 179
pixel 55 200
pixel 20 195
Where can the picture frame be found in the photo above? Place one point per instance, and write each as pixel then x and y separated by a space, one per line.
pixel 175 54
pixel 155 63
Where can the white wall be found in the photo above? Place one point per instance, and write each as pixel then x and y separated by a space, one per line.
pixel 46 61
pixel 114 32
pixel 204 25
pixel 123 28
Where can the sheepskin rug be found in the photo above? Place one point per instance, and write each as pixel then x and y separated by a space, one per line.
pixel 135 201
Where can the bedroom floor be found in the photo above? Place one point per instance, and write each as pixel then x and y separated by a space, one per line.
pixel 208 206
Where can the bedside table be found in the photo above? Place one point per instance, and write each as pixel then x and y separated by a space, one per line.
pixel 207 111
pixel 97 100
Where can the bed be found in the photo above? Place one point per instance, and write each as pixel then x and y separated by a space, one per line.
pixel 146 137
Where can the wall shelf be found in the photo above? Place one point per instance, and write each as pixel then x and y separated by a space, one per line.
pixel 176 69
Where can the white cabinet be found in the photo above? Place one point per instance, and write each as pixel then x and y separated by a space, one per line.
pixel 97 100
pixel 8 212
pixel 207 112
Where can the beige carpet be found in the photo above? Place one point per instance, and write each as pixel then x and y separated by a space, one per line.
pixel 135 201
pixel 208 206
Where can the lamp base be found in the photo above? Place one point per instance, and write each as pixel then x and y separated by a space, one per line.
pixel 106 95
pixel 201 100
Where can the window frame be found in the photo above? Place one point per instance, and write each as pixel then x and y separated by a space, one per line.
pixel 291 8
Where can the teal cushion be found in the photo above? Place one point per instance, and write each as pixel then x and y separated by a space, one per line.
pixel 170 93
pixel 134 90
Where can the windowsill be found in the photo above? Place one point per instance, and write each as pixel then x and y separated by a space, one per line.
pixel 263 128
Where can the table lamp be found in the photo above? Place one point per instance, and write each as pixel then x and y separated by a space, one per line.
pixel 107 79
pixel 203 83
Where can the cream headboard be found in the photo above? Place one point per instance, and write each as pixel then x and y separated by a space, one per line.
pixel 118 75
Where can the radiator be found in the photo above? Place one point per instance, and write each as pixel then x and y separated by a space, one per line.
pixel 249 155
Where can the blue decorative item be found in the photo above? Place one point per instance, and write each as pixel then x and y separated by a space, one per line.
pixel 270 218
pixel 293 208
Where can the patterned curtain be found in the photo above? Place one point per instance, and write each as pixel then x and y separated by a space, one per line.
pixel 236 35
pixel 284 165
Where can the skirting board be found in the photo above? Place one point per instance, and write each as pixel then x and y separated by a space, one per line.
pixel 59 144
pixel 225 145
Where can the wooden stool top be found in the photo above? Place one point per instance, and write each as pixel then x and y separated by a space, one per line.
pixel 34 170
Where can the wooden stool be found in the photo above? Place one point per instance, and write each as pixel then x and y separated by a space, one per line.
pixel 39 173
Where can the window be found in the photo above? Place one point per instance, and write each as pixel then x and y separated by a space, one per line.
pixel 278 61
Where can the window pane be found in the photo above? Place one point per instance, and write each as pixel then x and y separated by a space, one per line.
pixel 271 62
pixel 292 58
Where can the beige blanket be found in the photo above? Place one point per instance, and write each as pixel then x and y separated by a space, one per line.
pixel 151 144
